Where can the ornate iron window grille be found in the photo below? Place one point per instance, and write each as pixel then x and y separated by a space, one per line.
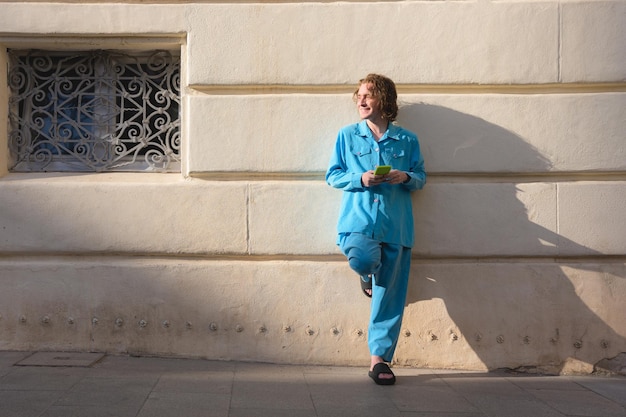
pixel 94 111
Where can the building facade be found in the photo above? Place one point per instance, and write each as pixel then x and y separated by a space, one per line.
pixel 221 243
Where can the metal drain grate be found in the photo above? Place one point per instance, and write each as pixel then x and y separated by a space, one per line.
pixel 74 359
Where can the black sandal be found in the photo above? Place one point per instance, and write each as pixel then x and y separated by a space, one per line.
pixel 367 285
pixel 382 368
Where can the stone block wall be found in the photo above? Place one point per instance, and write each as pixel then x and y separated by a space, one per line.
pixel 519 260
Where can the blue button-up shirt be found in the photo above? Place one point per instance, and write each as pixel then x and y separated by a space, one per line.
pixel 383 212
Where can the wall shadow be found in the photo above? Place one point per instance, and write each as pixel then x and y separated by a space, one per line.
pixel 512 309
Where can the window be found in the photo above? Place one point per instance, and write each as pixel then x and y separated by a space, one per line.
pixel 94 111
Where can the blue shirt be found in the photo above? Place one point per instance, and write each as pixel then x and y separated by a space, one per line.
pixel 383 212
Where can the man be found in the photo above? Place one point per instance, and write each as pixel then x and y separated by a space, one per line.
pixel 375 227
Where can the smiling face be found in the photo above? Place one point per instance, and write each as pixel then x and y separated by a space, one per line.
pixel 377 98
pixel 369 107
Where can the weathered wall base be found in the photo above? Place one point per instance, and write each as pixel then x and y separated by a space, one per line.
pixel 559 317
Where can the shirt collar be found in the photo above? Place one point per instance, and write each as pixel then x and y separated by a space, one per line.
pixel 393 131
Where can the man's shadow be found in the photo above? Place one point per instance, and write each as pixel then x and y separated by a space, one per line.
pixel 544 303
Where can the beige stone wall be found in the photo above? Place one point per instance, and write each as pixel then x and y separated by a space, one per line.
pixel 521 237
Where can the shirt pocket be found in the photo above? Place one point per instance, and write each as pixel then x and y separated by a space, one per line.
pixel 395 157
pixel 362 156
pixel 360 151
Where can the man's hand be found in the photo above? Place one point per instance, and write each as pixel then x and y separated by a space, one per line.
pixel 394 177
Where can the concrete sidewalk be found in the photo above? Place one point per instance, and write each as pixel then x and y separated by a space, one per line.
pixel 62 385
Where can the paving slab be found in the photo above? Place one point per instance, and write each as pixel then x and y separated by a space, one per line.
pixel 89 411
pixel 611 388
pixel 42 379
pixel 580 403
pixel 125 386
pixel 25 403
pixel 187 404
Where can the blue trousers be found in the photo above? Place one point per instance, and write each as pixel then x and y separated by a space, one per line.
pixel 390 265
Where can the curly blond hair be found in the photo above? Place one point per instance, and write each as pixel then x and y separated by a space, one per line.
pixel 384 90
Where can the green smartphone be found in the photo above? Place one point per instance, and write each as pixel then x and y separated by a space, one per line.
pixel 382 169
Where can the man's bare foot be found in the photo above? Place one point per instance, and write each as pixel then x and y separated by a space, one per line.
pixel 376 360
pixel 380 372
